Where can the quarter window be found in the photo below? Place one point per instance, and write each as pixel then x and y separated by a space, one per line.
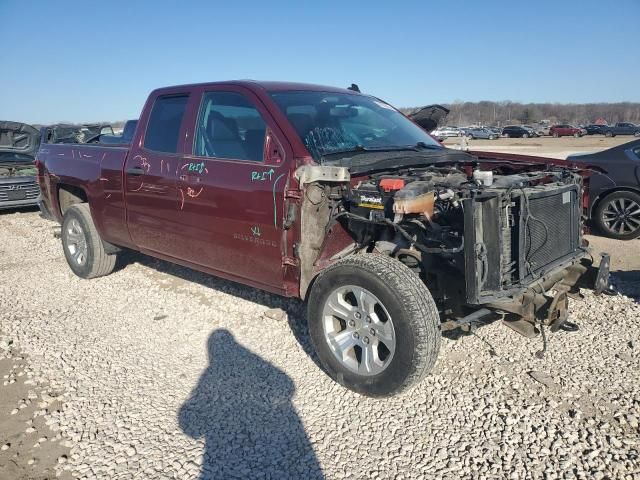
pixel 229 126
pixel 163 129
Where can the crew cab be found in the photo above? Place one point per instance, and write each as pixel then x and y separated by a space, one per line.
pixel 566 130
pixel 334 197
pixel 623 128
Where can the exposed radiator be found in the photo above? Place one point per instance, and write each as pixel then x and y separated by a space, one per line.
pixel 549 223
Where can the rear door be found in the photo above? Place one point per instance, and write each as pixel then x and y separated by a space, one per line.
pixel 150 175
pixel 230 191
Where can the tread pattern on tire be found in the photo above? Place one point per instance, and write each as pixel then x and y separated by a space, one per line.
pixel 416 298
pixel 103 263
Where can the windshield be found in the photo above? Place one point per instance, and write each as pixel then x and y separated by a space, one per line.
pixel 335 124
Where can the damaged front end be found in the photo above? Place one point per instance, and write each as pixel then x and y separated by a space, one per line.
pixel 490 241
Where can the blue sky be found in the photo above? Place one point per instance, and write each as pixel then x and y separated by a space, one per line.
pixel 89 61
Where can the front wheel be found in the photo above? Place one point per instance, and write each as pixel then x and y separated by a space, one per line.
pixel 492 137
pixel 618 215
pixel 525 135
pixel 608 134
pixel 636 134
pixel 374 325
pixel 82 245
pixel 556 135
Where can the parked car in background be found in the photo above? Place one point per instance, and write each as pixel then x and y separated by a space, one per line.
pixel 564 130
pixel 481 132
pixel 515 131
pixel 623 128
pixel 19 143
pixel 532 131
pixel 542 130
pixel 124 138
pixel 64 133
pixel 429 116
pixel 614 194
pixel 595 129
pixel 446 132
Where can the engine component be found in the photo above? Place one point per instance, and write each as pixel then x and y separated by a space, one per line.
pixel 417 197
pixel 483 177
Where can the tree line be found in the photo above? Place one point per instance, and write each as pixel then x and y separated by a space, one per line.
pixel 507 112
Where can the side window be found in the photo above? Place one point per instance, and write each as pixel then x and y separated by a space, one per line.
pixel 163 128
pixel 229 126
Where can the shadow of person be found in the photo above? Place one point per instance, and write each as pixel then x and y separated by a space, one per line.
pixel 242 407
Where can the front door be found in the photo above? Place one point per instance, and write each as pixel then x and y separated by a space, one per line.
pixel 230 192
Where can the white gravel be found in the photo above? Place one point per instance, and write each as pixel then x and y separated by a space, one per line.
pixel 168 373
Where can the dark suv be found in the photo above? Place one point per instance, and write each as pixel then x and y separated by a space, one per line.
pixel 514 131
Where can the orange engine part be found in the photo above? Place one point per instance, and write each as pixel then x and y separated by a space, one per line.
pixel 420 204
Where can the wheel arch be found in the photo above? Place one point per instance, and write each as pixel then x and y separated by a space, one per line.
pixel 68 195
pixel 602 195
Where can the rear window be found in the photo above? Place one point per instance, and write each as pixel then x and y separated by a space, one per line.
pixel 163 128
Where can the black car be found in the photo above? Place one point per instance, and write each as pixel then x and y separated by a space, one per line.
pixel 18 146
pixel 515 131
pixel 614 194
pixel 596 129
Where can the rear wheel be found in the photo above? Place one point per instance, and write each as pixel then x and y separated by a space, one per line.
pixel 525 135
pixel 82 245
pixel 608 134
pixel 636 133
pixel 556 135
pixel 577 135
pixel 618 215
pixel 492 137
pixel 374 325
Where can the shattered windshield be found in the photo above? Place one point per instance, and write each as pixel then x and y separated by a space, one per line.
pixel 334 125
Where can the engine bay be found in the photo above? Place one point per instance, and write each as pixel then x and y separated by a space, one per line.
pixel 497 229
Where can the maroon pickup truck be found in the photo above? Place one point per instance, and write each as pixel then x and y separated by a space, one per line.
pixel 337 198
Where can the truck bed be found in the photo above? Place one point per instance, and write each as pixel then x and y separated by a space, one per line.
pixel 97 170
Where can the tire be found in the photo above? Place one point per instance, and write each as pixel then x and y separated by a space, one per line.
pixel 393 292
pixel 82 245
pixel 636 133
pixel 576 135
pixel 556 135
pixel 608 134
pixel 611 223
pixel 525 135
pixel 507 135
pixel 492 137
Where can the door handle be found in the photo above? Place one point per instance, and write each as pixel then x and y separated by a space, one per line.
pixel 136 171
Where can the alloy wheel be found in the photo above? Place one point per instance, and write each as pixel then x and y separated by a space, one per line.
pixel 76 242
pixel 359 330
pixel 621 216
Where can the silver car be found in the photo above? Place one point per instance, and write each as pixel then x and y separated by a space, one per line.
pixel 481 133
pixel 446 132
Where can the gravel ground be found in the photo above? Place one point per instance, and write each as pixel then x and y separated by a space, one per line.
pixel 162 372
